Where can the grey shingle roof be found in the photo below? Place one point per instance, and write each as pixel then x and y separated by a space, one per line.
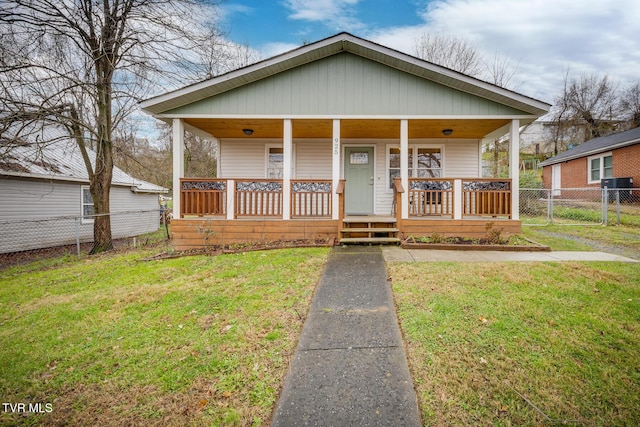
pixel 597 145
pixel 58 158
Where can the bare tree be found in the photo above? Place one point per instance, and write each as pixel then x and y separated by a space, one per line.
pixel 589 103
pixel 84 64
pixel 630 104
pixel 449 51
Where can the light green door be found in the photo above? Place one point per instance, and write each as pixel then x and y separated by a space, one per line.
pixel 359 179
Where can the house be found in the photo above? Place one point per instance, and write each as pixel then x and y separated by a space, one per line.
pixel 546 135
pixel 45 199
pixel 339 137
pixel 612 156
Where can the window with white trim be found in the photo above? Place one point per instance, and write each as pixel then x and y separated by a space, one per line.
pixel 275 161
pixel 424 162
pixel 86 204
pixel 600 166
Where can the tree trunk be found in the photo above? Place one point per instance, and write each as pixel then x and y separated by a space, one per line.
pixel 103 170
pixel 99 188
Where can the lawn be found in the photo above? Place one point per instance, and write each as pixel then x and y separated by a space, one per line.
pixel 113 340
pixel 527 344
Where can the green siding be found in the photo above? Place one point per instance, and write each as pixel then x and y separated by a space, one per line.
pixel 345 84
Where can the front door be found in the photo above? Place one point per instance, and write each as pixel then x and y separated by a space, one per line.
pixel 359 179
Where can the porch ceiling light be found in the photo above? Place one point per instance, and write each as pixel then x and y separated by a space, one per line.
pixel 447 132
pixel 247 132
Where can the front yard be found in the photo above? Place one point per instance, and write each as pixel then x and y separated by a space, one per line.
pixel 200 340
pixel 112 340
pixel 523 344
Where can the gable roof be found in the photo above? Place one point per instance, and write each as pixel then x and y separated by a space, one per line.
pixel 597 145
pixel 58 159
pixel 343 42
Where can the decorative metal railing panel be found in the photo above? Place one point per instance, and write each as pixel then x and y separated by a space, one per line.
pixel 203 197
pixel 311 199
pixel 486 197
pixel 430 197
pixel 258 198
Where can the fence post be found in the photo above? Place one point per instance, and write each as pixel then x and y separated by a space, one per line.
pixel 550 208
pixel 78 236
pixel 618 204
pixel 605 205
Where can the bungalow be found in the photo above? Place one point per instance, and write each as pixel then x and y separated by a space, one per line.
pixel 612 156
pixel 45 199
pixel 343 139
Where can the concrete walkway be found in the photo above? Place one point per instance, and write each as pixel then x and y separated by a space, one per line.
pixel 350 368
pixel 395 253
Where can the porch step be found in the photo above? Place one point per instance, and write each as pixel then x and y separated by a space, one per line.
pixel 369 219
pixel 369 240
pixel 369 230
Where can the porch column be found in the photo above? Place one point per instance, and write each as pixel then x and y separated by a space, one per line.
pixel 335 168
pixel 287 149
pixel 178 164
pixel 404 165
pixel 514 168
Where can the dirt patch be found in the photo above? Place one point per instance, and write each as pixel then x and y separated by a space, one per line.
pixel 596 245
pixel 248 247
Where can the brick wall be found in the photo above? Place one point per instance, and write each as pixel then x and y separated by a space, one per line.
pixel 626 163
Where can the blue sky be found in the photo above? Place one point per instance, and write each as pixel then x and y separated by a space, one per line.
pixel 542 39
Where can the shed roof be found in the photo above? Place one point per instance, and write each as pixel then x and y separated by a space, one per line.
pixel 58 158
pixel 343 42
pixel 597 145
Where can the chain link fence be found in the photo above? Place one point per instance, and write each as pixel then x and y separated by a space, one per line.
pixel 580 206
pixel 74 234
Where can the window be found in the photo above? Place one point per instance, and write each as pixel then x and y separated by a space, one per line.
pixel 424 162
pixel 275 160
pixel 428 162
pixel 86 204
pixel 600 166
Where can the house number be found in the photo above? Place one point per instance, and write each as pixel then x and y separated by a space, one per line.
pixel 336 146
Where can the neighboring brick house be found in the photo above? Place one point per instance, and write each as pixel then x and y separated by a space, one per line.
pixel 612 156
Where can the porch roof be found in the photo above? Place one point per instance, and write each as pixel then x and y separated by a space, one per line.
pixel 343 42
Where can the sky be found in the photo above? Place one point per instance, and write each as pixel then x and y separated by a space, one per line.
pixel 542 39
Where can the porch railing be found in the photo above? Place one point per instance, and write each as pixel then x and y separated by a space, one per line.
pixel 203 197
pixel 486 197
pixel 258 198
pixel 430 197
pixel 255 198
pixel 311 198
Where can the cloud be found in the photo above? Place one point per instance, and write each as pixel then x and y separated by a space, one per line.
pixel 335 14
pixel 272 49
pixel 546 37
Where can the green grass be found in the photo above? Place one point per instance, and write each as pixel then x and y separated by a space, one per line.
pixel 562 237
pixel 488 341
pixel 112 340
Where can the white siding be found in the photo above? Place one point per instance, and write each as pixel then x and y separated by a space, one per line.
pixel 39 214
pixel 313 159
pixel 462 159
pixel 243 159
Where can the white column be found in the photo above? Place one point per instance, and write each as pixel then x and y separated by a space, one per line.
pixel 335 168
pixel 457 198
pixel 404 165
pixel 287 148
pixel 514 168
pixel 231 199
pixel 178 163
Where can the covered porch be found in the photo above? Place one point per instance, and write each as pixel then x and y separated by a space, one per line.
pixel 220 211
